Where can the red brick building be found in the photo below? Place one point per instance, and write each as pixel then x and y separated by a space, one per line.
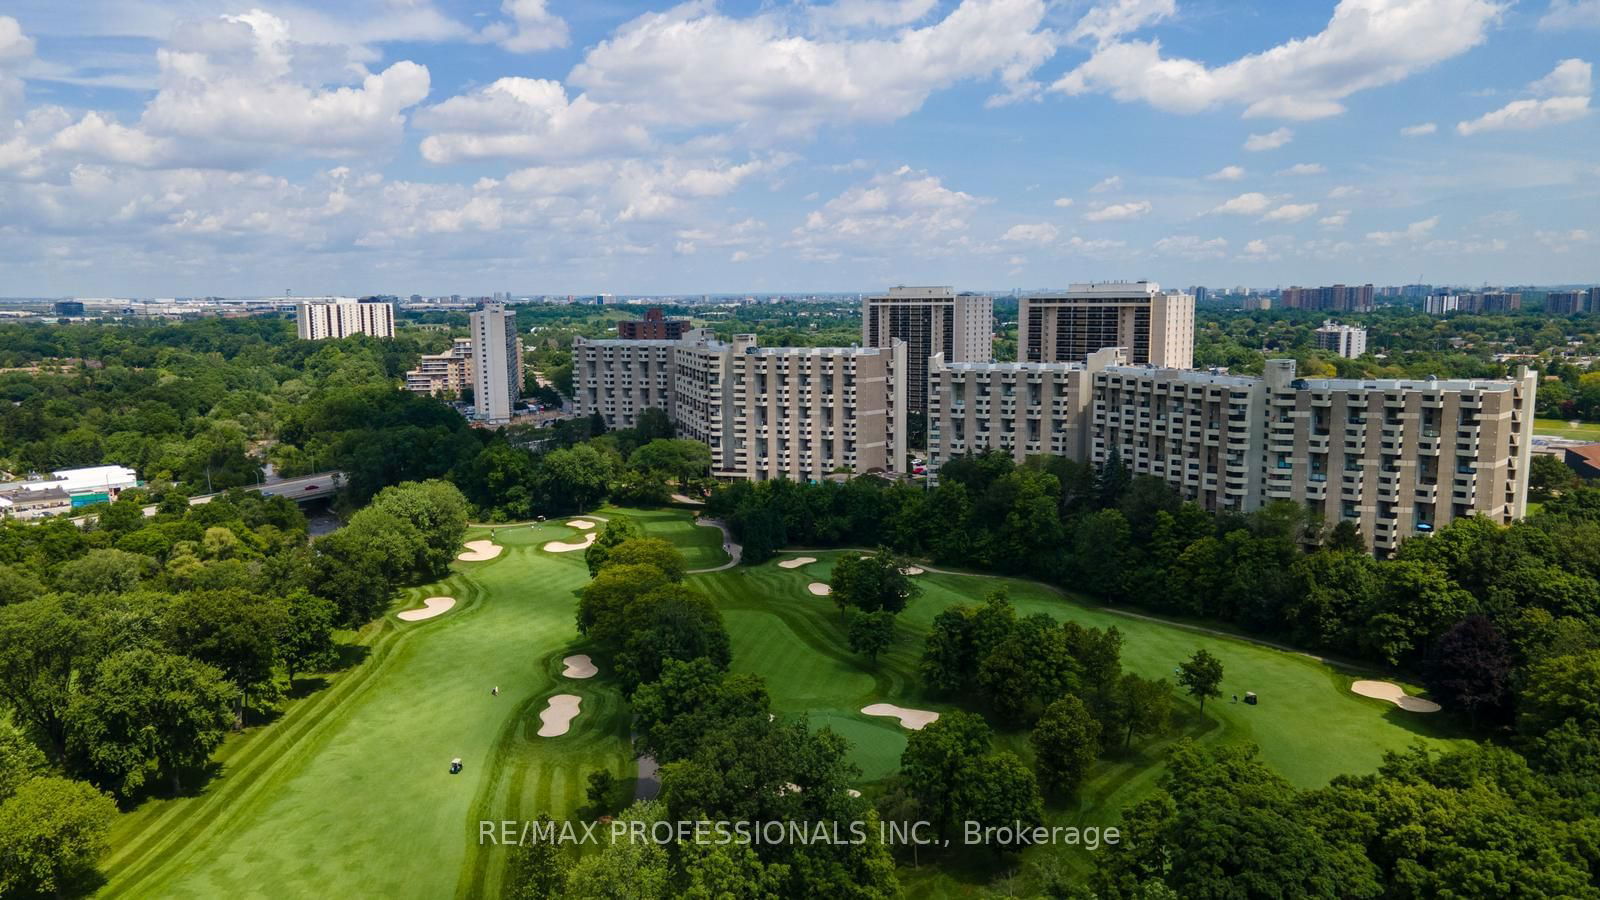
pixel 653 327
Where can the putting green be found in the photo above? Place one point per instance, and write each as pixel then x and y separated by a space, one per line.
pixel 349 793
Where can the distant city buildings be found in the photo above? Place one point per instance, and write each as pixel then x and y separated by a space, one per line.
pixel 447 373
pixel 931 321
pixel 655 326
pixel 320 320
pixel 1441 304
pixel 1333 298
pixel 1567 303
pixel 1257 303
pixel 68 308
pixel 1348 341
pixel 1156 326
pixel 1491 302
pixel 496 363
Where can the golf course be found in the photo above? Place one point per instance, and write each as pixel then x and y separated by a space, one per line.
pixel 349 791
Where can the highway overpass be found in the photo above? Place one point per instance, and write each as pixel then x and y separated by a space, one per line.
pixel 301 490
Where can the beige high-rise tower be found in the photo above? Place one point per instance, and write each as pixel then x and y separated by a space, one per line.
pixel 1155 326
pixel 496 363
pixel 931 321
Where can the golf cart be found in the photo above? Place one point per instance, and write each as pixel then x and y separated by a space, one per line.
pixel 1250 698
pixel 455 766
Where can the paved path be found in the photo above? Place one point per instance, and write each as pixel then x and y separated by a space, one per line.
pixel 733 550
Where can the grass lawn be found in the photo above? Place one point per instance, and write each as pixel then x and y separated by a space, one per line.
pixel 348 793
pixel 1309 726
pixel 1583 431
pixel 701 545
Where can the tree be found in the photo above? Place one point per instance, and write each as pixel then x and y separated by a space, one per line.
pixel 938 761
pixel 603 605
pixel 654 552
pixel 678 458
pixel 1028 669
pixel 721 871
pixel 602 786
pixel 234 631
pixel 438 513
pixel 20 759
pixel 1470 667
pixel 616 531
pixel 1145 706
pixel 1549 476
pixel 148 714
pixel 1102 545
pixel 693 698
pixel 1346 538
pixel 305 642
pixel 1065 742
pixel 41 643
pixel 1201 676
pixel 574 479
pixel 869 633
pixel 1000 791
pixel 624 870
pixel 872 583
pixel 671 622
pixel 52 833
pixel 539 868
pixel 105 572
pixel 948 662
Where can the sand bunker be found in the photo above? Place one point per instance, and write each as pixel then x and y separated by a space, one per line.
pixel 912 570
pixel 579 666
pixel 433 606
pixel 1383 690
pixel 914 719
pixel 580 524
pixel 480 551
pixel 818 588
pixel 570 546
pixel 558 716
pixel 852 792
pixel 797 562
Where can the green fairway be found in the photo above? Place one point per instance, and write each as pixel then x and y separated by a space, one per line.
pixel 1561 428
pixel 701 545
pixel 1309 726
pixel 349 792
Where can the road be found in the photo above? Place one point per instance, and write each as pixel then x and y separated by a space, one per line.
pixel 306 487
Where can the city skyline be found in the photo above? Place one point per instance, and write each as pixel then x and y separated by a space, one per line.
pixel 161 149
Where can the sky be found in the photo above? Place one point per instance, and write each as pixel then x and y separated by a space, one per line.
pixel 248 147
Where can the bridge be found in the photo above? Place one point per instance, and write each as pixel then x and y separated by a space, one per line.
pixel 301 490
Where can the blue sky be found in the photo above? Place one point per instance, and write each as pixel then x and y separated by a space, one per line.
pixel 547 146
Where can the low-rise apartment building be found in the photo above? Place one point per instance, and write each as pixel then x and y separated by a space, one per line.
pixel 443 373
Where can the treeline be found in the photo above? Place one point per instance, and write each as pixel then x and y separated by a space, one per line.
pixel 129 651
pixel 723 756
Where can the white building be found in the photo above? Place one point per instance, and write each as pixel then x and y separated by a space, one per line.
pixel 1439 304
pixel 1349 341
pixel 320 320
pixel 496 363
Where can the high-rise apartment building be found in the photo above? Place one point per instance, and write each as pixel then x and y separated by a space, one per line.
pixel 1025 409
pixel 1594 300
pixel 1491 302
pixel 1349 341
pixel 320 320
pixel 496 363
pixel 449 372
pixel 1156 327
pixel 1566 303
pixel 801 413
pixel 1397 457
pixel 1440 304
pixel 1334 298
pixel 931 320
pixel 653 327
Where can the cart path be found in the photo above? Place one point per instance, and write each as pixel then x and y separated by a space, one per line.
pixel 733 550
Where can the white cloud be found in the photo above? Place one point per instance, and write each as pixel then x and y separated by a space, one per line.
pixel 1571 14
pixel 1563 241
pixel 1337 220
pixel 905 211
pixel 1114 18
pixel 870 13
pixel 1251 204
pixel 1040 234
pixel 1257 249
pixel 1366 44
pixel 97 138
pixel 1227 173
pixel 1414 232
pixel 1063 202
pixel 1118 212
pixel 1114 183
pixel 1272 140
pixel 525 118
pixel 1419 130
pixel 692 66
pixel 16 49
pixel 533 27
pixel 1566 91
pixel 1191 247
pixel 1343 190
pixel 1305 169
pixel 1291 212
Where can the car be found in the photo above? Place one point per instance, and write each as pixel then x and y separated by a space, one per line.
pixel 313 487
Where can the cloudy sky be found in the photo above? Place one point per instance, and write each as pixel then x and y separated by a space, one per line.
pixel 555 146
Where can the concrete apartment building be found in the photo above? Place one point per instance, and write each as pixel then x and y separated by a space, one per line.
pixel 1156 327
pixel 320 320
pixel 1567 303
pixel 449 372
pixel 1349 341
pixel 496 363
pixel 798 412
pixel 1023 408
pixel 1491 302
pixel 1397 457
pixel 1335 298
pixel 653 327
pixel 931 321
pixel 1440 304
